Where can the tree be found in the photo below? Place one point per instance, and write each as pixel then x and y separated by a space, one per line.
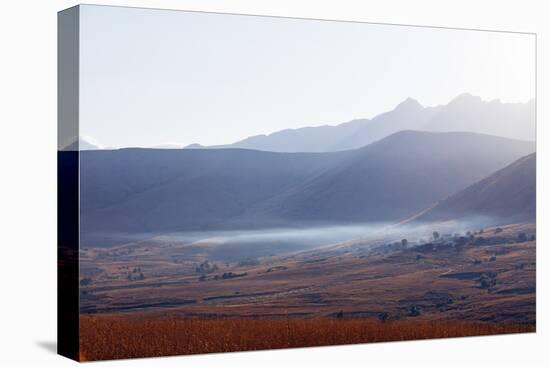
pixel 435 235
pixel 404 242
pixel 522 237
pixel 414 311
pixel 206 268
pixel 487 283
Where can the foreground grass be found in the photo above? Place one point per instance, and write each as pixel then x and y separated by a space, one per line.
pixel 112 337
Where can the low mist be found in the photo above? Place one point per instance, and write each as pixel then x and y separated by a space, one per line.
pixel 252 243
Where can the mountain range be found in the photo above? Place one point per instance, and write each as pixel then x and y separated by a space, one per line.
pixel 464 113
pixel 170 190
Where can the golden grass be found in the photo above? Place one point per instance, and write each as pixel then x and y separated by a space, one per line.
pixel 114 337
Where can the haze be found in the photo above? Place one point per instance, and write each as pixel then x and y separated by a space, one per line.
pixel 152 78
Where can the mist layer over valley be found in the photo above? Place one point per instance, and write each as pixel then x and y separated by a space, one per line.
pixel 174 191
pixel 242 245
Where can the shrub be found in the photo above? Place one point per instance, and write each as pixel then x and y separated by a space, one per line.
pixel 414 311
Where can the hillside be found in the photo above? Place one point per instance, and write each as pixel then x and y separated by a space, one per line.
pixel 387 180
pixel 507 196
pixel 149 191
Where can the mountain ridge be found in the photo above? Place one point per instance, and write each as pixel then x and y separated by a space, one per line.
pixel 463 113
pixel 162 190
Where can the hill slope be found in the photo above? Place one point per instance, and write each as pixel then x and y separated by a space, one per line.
pixel 147 190
pixel 395 177
pixel 507 196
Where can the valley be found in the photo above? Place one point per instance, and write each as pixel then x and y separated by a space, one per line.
pixel 487 276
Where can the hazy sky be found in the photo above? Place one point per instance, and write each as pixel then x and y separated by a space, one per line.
pixel 151 77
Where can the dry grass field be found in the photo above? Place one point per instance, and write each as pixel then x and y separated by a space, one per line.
pixel 152 299
pixel 110 337
pixel 485 282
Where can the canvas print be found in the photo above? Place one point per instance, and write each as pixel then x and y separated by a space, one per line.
pixel 235 183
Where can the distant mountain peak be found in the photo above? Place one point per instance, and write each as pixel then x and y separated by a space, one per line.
pixel 82 143
pixel 465 98
pixel 466 112
pixel 410 104
pixel 193 146
pixel 167 146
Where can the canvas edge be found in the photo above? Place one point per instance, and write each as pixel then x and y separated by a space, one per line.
pixel 68 24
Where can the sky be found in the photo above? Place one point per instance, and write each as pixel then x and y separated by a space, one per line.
pixel 155 77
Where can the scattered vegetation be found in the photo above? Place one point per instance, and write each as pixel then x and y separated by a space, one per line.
pixel 487 280
pixel 206 268
pixel 414 311
pixel 276 268
pixel 135 274
pixel 231 275
pixel 439 242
